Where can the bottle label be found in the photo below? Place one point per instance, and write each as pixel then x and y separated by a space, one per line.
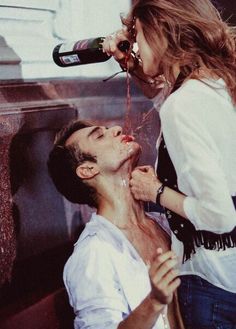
pixel 81 44
pixel 70 59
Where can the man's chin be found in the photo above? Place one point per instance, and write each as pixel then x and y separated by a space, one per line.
pixel 132 159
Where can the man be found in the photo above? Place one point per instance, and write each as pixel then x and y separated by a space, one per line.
pixel 121 273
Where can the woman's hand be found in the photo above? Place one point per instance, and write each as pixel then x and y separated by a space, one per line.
pixel 110 46
pixel 164 277
pixel 144 183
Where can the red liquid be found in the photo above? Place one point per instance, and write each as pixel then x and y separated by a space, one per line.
pixel 127 123
pixel 144 121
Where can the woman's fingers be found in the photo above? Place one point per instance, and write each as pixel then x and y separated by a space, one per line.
pixel 111 42
pixel 143 183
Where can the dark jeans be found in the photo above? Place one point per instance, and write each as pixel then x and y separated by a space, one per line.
pixel 204 306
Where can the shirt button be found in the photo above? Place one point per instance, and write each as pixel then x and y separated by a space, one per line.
pixel 176 231
pixel 165 180
pixel 182 225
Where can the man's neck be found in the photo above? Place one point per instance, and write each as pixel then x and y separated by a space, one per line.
pixel 118 205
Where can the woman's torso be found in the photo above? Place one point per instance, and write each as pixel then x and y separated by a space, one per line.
pixel 198 123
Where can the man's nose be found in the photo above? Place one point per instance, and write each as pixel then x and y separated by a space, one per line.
pixel 116 131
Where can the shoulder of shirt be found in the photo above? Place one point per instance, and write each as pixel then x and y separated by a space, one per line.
pixel 100 233
pixel 83 262
pixel 192 93
pixel 195 88
pixel 89 245
pixel 199 86
pixel 89 235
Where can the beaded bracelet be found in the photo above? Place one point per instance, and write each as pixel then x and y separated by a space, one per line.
pixel 159 193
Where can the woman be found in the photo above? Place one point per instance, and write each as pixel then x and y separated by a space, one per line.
pixel 187 45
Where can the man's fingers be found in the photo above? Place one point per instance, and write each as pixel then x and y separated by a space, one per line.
pixel 174 285
pixel 162 257
pixel 170 276
pixel 163 275
pixel 163 270
pixel 162 263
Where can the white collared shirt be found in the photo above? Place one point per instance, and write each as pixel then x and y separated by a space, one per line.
pixel 105 277
pixel 199 127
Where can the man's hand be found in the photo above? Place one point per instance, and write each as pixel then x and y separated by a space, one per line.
pixel 164 277
pixel 144 183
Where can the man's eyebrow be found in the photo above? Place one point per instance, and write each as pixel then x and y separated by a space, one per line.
pixel 93 131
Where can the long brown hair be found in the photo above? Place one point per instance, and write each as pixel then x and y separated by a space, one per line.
pixel 195 35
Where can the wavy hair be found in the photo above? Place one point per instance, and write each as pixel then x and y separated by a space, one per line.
pixel 195 35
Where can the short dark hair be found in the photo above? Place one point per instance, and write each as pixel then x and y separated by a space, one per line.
pixel 62 163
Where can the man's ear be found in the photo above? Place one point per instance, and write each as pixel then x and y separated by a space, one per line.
pixel 87 170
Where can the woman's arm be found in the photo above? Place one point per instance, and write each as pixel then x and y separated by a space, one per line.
pixel 186 123
pixel 144 185
pixel 191 122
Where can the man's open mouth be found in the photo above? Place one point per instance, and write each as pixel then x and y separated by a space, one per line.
pixel 127 139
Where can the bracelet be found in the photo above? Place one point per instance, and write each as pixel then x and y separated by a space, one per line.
pixel 159 193
pixel 135 65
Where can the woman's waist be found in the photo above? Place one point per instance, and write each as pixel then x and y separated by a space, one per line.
pixel 216 266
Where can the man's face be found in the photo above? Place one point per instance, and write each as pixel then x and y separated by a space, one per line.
pixel 110 147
